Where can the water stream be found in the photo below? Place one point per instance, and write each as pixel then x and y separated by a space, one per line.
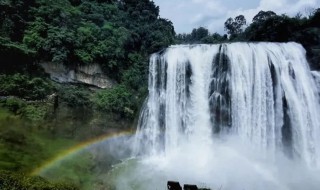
pixel 229 116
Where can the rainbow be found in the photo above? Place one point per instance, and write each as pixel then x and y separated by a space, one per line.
pixel 76 149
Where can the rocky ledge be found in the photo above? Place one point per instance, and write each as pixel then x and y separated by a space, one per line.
pixel 85 74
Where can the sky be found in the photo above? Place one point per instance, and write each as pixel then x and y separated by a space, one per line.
pixel 211 14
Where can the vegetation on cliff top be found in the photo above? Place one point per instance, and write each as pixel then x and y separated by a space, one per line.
pixel 117 35
pixel 266 26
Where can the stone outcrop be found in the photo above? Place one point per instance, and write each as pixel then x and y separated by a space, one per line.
pixel 85 74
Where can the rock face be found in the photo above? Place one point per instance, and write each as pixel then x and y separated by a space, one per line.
pixel 86 74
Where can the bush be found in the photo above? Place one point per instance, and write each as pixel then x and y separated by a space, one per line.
pixel 74 96
pixel 39 88
pixel 30 111
pixel 136 76
pixel 117 100
pixel 14 104
pixel 34 113
pixel 24 86
pixel 17 181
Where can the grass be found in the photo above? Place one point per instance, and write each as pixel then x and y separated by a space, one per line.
pixel 77 169
pixel 19 181
pixel 26 146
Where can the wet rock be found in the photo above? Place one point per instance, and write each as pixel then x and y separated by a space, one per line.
pixel 85 74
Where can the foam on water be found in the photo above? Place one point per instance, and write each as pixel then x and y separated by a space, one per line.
pixel 239 116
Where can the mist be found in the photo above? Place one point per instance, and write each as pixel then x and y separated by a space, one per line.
pixel 227 116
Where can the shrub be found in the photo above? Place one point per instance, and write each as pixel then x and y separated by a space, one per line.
pixel 34 113
pixel 17 181
pixel 31 111
pixel 38 88
pixel 24 86
pixel 74 96
pixel 117 100
pixel 14 104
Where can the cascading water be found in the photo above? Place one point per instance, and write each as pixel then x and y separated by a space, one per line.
pixel 242 115
pixel 262 92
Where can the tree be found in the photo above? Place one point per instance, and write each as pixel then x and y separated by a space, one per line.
pixel 274 29
pixel 118 35
pixel 315 18
pixel 199 33
pixel 235 26
pixel 228 26
pixel 14 15
pixel 263 16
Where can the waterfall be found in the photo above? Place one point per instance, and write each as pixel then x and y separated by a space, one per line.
pixel 262 93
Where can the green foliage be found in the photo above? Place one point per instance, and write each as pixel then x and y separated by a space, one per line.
pixel 234 27
pixel 24 146
pixel 117 100
pixel 137 74
pixel 275 28
pixel 29 111
pixel 200 35
pixel 24 86
pixel 118 35
pixel 14 104
pixel 36 38
pixel 17 181
pixel 15 56
pixel 267 26
pixel 13 22
pixel 74 96
pixel 263 16
pixel 103 32
pixel 120 100
pixel 77 169
pixel 34 112
pixel 314 20
pixel 21 94
pixel 14 17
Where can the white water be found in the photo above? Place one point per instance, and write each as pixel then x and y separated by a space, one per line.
pixel 239 116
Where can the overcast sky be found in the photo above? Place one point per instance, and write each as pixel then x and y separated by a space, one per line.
pixel 189 14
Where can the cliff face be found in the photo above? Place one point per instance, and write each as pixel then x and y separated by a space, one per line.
pixel 86 74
